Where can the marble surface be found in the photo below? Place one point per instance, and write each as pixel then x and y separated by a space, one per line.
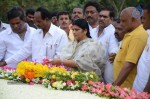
pixel 15 90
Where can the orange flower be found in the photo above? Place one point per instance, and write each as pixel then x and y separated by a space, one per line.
pixel 90 82
pixel 29 74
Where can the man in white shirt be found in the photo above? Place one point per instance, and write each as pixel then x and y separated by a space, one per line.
pixel 46 43
pixel 143 68
pixel 3 26
pixel 64 21
pixel 91 13
pixel 77 13
pixel 105 35
pixel 13 39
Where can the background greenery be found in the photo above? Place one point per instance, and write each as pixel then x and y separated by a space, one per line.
pixel 56 5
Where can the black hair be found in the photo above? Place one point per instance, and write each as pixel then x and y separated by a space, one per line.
pixel 78 7
pixel 44 13
pixel 54 13
pixel 15 12
pixel 82 23
pixel 63 13
pixel 111 11
pixel 117 20
pixel 94 4
pixel 147 7
pixel 30 11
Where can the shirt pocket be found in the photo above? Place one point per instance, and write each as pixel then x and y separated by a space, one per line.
pixel 51 50
pixel 120 55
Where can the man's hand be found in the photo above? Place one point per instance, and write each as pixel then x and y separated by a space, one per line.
pixel 55 62
pixel 112 57
pixel 2 63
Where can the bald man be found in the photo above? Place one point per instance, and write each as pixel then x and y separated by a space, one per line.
pixel 131 48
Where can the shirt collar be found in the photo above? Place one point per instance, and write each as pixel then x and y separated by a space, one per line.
pixel 110 27
pixel 90 27
pixel 2 26
pixel 28 29
pixel 51 30
pixel 132 32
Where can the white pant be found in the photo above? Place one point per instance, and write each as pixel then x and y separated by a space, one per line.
pixel 108 73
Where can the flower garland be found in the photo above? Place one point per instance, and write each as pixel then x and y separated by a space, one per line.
pixel 110 91
pixel 59 78
pixel 7 73
pixel 68 80
pixel 34 72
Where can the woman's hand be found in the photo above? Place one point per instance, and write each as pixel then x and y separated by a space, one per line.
pixel 2 63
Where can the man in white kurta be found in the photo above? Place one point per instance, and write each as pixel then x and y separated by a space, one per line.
pixel 41 47
pixel 13 38
pixel 105 35
pixel 45 43
pixel 143 68
pixel 11 43
pixel 141 82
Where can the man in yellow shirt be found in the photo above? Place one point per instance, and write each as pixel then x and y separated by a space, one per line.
pixel 131 48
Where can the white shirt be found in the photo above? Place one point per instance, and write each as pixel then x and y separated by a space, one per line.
pixel 11 43
pixel 143 68
pixel 93 30
pixel 3 26
pixel 41 47
pixel 107 38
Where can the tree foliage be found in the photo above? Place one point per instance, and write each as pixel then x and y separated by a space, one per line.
pixel 56 5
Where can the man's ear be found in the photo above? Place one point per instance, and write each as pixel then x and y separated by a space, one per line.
pixel 85 31
pixel 47 19
pixel 112 19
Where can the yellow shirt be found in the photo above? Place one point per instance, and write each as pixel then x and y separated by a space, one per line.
pixel 130 51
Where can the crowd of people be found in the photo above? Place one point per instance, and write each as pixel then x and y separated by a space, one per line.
pixel 90 39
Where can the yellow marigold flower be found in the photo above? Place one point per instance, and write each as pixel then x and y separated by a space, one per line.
pixel 64 74
pixel 27 80
pixel 72 76
pixel 91 76
pixel 15 74
pixel 53 77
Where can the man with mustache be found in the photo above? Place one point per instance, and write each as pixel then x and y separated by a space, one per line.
pixel 119 33
pixel 77 13
pixel 13 38
pixel 105 35
pixel 47 42
pixel 142 79
pixel 64 21
pixel 30 17
pixel 132 46
pixel 91 14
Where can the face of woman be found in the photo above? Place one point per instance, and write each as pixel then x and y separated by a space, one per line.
pixel 79 33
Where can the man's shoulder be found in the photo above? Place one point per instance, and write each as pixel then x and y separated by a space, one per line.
pixel 6 32
pixel 58 30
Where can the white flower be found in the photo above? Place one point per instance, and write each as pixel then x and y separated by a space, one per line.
pixel 2 75
pixel 36 80
pixel 49 86
pixel 6 75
